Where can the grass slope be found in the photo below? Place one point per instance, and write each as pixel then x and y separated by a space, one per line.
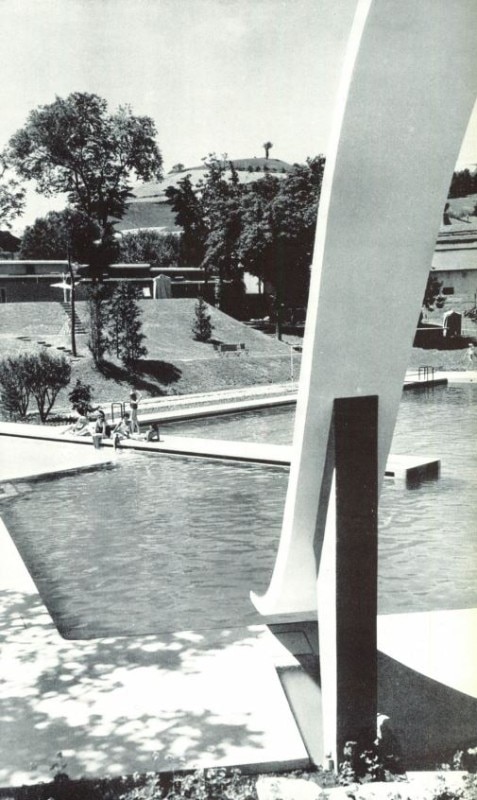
pixel 175 363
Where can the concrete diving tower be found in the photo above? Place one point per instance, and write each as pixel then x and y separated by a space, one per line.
pixel 407 91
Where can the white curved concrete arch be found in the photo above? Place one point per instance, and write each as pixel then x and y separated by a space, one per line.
pixel 407 92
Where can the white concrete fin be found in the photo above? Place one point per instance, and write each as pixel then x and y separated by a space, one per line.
pixel 409 85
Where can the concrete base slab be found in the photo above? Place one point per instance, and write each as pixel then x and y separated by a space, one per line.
pixel 427 681
pixel 437 644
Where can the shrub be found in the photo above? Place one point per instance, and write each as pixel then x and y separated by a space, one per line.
pixel 47 374
pixel 15 387
pixel 40 375
pixel 202 326
pixel 80 397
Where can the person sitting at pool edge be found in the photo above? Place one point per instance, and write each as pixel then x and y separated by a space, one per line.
pixel 122 429
pixel 79 428
pixel 101 425
pixel 152 433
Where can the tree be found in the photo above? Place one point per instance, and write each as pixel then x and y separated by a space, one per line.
pixel 75 146
pixel 151 247
pixel 266 227
pixel 125 325
pixel 432 296
pixel 103 253
pixel 186 202
pixel 463 183
pixel 278 231
pixel 8 242
pixel 52 236
pixel 47 374
pixel 221 199
pixel 99 296
pixel 12 195
pixel 178 167
pixel 15 386
pixel 202 326
pixel 267 146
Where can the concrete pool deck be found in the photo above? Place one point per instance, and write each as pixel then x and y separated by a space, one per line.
pixel 118 705
pixel 37 450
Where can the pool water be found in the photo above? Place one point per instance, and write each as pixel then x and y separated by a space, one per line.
pixel 162 543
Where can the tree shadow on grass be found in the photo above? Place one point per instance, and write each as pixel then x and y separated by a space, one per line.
pixel 161 372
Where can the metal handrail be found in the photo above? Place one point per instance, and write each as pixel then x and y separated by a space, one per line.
pixel 121 406
pixel 425 373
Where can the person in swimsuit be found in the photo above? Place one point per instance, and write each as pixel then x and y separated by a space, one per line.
pixel 134 400
pixel 122 430
pixel 79 428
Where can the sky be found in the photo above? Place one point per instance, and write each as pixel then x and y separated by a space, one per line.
pixel 219 76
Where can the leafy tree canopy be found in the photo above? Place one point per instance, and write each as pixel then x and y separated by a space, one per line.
pixel 187 205
pixel 151 247
pixel 12 195
pixel 266 227
pixel 463 183
pixel 75 146
pixel 278 228
pixel 52 236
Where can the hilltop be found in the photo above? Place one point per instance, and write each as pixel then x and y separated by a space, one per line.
pixel 149 207
pixel 248 169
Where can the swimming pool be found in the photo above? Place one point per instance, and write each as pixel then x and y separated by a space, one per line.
pixel 164 543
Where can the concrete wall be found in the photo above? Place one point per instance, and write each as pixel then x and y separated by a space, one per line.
pixel 34 289
pixel 458 284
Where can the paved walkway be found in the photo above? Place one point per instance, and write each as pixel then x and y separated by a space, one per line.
pixel 33 450
pixel 22 458
pixel 118 705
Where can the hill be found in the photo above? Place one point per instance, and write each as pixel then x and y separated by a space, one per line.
pixel 149 208
pixel 152 214
pixel 249 169
pixel 175 364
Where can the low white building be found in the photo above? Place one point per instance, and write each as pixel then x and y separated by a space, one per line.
pixel 455 266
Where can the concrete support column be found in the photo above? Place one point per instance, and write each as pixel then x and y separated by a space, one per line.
pixel 356 436
pixel 347 580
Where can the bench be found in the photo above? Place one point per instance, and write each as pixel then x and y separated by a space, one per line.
pixel 221 347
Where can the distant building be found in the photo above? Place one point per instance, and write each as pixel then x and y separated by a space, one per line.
pixel 28 281
pixel 454 264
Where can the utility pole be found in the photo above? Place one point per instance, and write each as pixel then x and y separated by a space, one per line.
pixel 72 300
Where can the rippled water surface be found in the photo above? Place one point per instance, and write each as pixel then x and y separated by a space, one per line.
pixel 162 543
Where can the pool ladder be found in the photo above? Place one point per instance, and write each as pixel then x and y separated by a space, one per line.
pixel 425 373
pixel 121 410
